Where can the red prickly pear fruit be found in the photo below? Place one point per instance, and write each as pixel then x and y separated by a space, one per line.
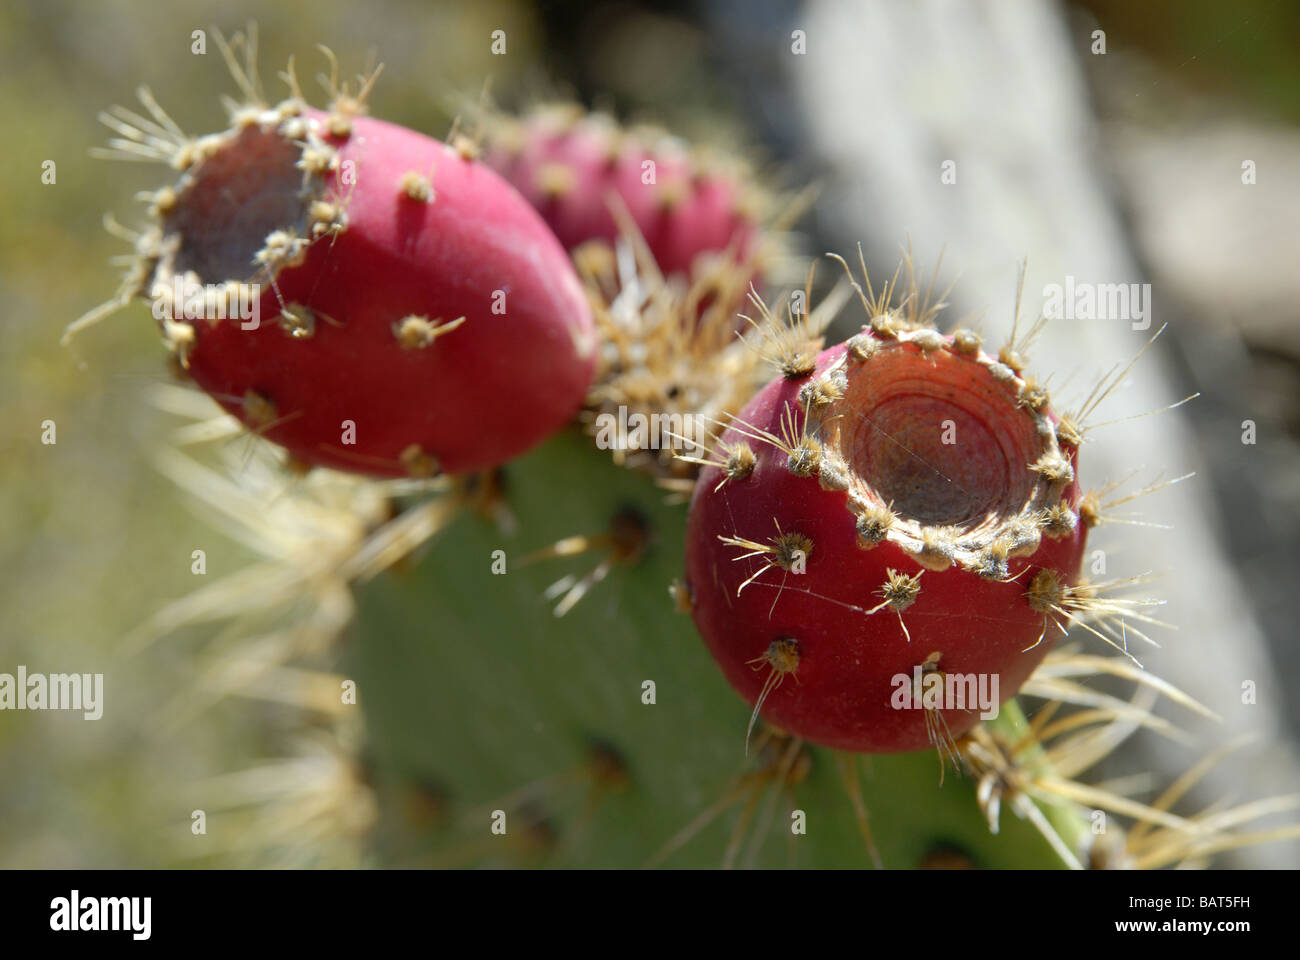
pixel 372 299
pixel 902 509
pixel 569 165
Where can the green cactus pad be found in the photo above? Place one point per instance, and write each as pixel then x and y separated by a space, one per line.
pixel 478 698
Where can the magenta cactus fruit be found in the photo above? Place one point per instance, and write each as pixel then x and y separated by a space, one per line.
pixel 897 506
pixel 571 166
pixel 368 297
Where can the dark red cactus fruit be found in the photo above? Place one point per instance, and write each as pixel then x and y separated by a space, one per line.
pixel 413 313
pixel 569 165
pixel 902 508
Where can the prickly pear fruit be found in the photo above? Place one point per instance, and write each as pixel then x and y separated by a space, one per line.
pixel 365 296
pixel 901 507
pixel 569 165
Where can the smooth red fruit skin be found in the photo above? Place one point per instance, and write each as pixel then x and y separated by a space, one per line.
pixel 681 214
pixel 840 694
pixel 477 396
